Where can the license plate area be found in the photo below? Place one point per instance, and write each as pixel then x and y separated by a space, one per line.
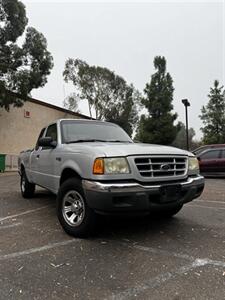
pixel 170 193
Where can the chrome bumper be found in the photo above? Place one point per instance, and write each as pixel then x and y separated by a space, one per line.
pixel 96 186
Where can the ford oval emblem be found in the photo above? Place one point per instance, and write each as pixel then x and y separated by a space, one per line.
pixel 165 167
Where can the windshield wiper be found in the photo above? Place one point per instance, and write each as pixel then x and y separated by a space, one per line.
pixel 85 140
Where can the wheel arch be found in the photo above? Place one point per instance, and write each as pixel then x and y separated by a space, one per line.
pixel 68 173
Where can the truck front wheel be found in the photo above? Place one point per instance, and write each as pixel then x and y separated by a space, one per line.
pixel 76 218
pixel 27 188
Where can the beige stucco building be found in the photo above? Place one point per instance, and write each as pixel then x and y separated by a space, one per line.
pixel 20 127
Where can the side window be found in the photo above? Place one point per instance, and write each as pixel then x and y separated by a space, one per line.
pixel 214 154
pixel 52 132
pixel 40 136
pixel 223 154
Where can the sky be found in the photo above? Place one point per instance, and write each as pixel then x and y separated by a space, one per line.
pixel 125 36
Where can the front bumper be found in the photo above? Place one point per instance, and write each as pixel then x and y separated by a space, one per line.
pixel 135 197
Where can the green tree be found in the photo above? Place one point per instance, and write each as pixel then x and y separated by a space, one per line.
pixel 108 94
pixel 124 107
pixel 71 102
pixel 158 125
pixel 181 141
pixel 213 116
pixel 22 68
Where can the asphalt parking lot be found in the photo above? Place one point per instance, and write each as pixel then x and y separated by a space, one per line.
pixel 136 258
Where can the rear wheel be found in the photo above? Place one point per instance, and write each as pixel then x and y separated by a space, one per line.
pixel 27 188
pixel 76 218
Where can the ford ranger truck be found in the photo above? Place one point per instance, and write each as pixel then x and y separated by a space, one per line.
pixel 95 168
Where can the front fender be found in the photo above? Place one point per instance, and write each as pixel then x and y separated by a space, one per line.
pixel 71 164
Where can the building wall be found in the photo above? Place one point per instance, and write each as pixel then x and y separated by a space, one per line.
pixel 18 132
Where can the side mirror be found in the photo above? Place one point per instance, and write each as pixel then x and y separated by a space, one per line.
pixel 47 142
pixel 199 158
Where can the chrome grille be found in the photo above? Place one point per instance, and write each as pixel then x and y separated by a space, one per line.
pixel 161 166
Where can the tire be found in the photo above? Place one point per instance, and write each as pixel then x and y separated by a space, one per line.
pixel 170 212
pixel 76 218
pixel 27 188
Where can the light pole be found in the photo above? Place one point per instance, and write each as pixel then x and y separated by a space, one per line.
pixel 186 104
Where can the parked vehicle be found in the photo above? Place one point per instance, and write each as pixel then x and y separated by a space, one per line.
pixel 94 167
pixel 212 162
pixel 206 147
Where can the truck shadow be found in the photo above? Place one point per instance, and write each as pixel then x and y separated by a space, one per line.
pixel 123 226
pixel 41 197
pixel 135 226
pixel 43 194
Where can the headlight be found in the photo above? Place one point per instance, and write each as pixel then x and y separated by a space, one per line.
pixel 193 164
pixel 118 165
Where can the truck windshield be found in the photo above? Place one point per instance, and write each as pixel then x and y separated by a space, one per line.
pixel 93 131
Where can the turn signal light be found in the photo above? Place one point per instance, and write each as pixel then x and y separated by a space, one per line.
pixel 98 167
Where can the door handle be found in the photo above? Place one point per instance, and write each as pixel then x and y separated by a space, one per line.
pixel 38 155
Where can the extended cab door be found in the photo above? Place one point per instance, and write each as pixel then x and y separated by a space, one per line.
pixel 46 163
pixel 33 158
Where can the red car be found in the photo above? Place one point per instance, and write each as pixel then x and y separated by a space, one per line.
pixel 212 162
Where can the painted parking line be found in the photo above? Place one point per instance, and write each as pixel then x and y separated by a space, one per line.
pixel 151 283
pixel 133 291
pixel 9 226
pixel 23 213
pixel 156 281
pixel 210 201
pixel 205 206
pixel 173 254
pixel 36 250
pixel 159 251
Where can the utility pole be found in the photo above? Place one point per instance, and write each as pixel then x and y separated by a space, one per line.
pixel 186 104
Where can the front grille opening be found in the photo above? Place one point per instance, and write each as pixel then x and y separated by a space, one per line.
pixel 161 166
pixel 161 160
pixel 142 160
pixel 146 174
pixel 144 167
pixel 159 174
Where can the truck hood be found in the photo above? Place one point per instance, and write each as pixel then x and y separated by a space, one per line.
pixel 101 149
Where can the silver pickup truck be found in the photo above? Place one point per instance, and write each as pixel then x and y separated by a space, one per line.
pixel 94 167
